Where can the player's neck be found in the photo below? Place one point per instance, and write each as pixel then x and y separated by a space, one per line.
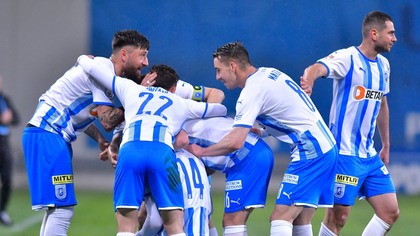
pixel 246 74
pixel 117 66
pixel 368 51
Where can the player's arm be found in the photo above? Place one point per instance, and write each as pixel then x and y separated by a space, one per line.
pixel 109 116
pixel 213 95
pixel 233 141
pixel 96 135
pixel 382 122
pixel 309 76
pixel 114 148
pixel 181 140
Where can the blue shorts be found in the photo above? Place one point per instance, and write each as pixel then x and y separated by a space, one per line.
pixel 147 164
pixel 365 177
pixel 247 182
pixel 49 167
pixel 309 182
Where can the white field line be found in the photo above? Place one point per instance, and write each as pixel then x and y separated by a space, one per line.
pixel 26 223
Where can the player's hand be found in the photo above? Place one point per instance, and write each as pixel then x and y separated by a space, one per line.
pixel 194 149
pixel 306 85
pixel 103 156
pixel 113 155
pixel 149 79
pixel 384 155
pixel 256 131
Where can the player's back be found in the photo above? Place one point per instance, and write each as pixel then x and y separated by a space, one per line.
pixel 67 106
pixel 155 114
pixel 196 189
pixel 287 113
pixel 206 132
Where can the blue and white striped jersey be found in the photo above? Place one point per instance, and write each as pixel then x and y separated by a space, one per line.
pixel 196 189
pixel 206 132
pixel 68 107
pixel 151 113
pixel 279 105
pixel 358 88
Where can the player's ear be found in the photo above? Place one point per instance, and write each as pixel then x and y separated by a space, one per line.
pixel 123 55
pixel 172 89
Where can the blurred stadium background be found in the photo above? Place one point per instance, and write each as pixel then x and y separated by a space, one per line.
pixel 40 40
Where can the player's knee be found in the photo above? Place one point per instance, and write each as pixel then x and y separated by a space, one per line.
pixel 236 218
pixel 393 216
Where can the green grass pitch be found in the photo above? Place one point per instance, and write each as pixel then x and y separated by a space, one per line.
pixel 94 216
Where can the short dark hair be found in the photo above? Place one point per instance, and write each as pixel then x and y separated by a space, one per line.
pixel 374 19
pixel 129 38
pixel 166 76
pixel 235 51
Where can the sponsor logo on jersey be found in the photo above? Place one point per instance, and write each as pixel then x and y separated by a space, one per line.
pixel 235 201
pixel 346 179
pixel 287 194
pixel 292 179
pixel 60 191
pixel 62 179
pixel 233 185
pixel 339 190
pixel 361 93
pixel 238 117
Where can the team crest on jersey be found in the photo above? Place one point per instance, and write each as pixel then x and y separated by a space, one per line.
pixel 339 190
pixel 361 93
pixel 384 170
pixel 60 191
pixel 109 93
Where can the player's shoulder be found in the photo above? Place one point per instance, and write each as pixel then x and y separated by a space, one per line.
pixel 383 59
pixel 105 62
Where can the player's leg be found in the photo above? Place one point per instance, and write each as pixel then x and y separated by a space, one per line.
pixel 126 219
pixel 129 185
pixel 212 228
pixel 334 220
pixel 153 222
pixel 141 218
pixel 302 187
pixel 379 191
pixel 351 173
pixel 302 224
pixel 50 177
pixel 166 186
pixel 246 188
pixel 6 179
pixel 56 221
pixel 173 221
pixel 386 214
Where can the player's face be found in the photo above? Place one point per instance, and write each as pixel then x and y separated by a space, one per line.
pixel 386 38
pixel 225 74
pixel 136 61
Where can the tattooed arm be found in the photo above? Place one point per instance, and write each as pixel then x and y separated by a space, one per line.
pixel 110 117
